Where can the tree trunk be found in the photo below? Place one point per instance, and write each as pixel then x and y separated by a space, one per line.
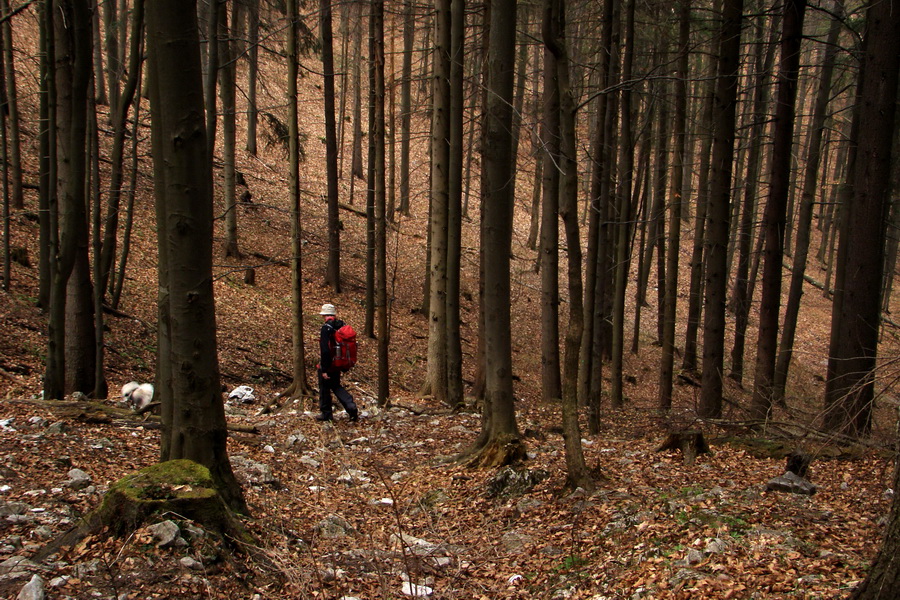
pixel 774 219
pixel 14 153
pixel 333 267
pixel 377 131
pixel 551 384
pixel 436 378
pixel 252 73
pixel 741 296
pixel 409 24
pixel 227 89
pixel 454 207
pixel 499 442
pixel 679 125
pixel 717 214
pixel 554 29
pixel 192 408
pixel 623 216
pixel 849 388
pixel 298 386
pixel 807 200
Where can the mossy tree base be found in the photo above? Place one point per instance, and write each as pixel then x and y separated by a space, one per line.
pixel 181 487
pixel 497 451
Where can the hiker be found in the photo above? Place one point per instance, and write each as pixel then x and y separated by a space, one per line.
pixel 330 375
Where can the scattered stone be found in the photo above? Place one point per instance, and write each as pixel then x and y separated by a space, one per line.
pixel 715 546
pixel 190 563
pixel 351 476
pixel 57 427
pixel 269 448
pixel 692 557
pixel 791 483
pixel 417 591
pixel 13 508
pixel 165 534
pixel 515 542
pixel 78 479
pixel 511 482
pixel 192 532
pixel 309 461
pixel 250 472
pixel 37 422
pixel 59 581
pixel 17 567
pixel 382 502
pixel 526 505
pixel 334 526
pixel 295 439
pixel 33 590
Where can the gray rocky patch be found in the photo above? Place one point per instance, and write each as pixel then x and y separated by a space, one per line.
pixel 78 479
pixel 190 563
pixel 165 534
pixel 511 482
pixel 57 428
pixel 791 483
pixel 250 472
pixel 13 508
pixel 33 590
pixel 515 542
pixel 334 526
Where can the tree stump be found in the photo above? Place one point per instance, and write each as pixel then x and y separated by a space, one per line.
pixel 690 442
pixel 180 487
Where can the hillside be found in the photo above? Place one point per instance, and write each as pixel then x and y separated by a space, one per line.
pixel 359 509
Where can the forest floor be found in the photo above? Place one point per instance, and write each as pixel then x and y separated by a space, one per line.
pixel 371 509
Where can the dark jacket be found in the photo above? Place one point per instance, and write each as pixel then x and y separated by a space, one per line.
pixel 326 343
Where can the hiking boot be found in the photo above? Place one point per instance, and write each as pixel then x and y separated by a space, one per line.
pixel 354 417
pixel 321 417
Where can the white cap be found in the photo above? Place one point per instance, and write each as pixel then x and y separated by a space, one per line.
pixel 328 309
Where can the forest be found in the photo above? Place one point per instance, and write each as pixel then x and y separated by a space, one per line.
pixel 621 274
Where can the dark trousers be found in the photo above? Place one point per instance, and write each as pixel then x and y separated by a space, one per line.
pixel 333 384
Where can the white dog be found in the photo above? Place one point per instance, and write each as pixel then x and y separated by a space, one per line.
pixel 139 396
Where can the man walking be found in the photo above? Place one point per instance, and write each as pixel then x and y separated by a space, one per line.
pixel 330 376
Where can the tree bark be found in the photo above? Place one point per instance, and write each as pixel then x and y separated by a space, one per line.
pixel 333 267
pixel 849 387
pixel 717 216
pixel 499 442
pixel 193 412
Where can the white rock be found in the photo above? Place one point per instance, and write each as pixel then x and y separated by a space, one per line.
pixel 269 448
pixel 33 590
pixel 191 563
pixel 419 591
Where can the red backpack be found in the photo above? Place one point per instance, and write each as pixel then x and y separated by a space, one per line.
pixel 343 350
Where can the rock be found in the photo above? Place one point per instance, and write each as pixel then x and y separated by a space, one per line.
pixel 334 526
pixel 351 476
pixel 190 563
pixel 13 508
pixel 37 422
pixel 296 439
pixel 57 427
pixel 250 472
pixel 528 504
pixel 33 590
pixel 515 542
pixel 512 482
pixel 791 483
pixel 17 567
pixel 418 591
pixel 715 546
pixel 309 461
pixel 78 479
pixel 165 534
pixel 692 557
pixel 193 532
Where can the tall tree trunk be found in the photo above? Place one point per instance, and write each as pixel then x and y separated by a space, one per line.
pixel 499 442
pixel 554 31
pixel 193 412
pixel 14 152
pixel 807 201
pixel 849 388
pixel 679 126
pixel 436 378
pixel 774 219
pixel 333 268
pixel 717 214
pixel 377 131
pixel 252 73
pixel 741 295
pixel 695 287
pixel 228 91
pixel 623 216
pixel 551 384
pixel 454 207
pixel 409 24
pixel 298 386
